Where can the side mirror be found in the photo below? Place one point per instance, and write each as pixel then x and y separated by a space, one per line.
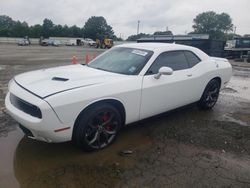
pixel 164 71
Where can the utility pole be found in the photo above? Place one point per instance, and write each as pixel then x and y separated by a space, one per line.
pixel 138 26
pixel 234 29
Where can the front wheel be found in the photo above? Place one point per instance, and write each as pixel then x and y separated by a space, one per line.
pixel 97 127
pixel 210 95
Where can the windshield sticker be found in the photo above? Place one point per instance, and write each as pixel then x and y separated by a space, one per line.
pixel 139 52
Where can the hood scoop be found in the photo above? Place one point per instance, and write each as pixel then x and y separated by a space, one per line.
pixel 60 79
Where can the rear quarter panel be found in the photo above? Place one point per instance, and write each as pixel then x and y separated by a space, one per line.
pixel 208 69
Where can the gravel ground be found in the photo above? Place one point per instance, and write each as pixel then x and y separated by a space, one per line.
pixel 182 148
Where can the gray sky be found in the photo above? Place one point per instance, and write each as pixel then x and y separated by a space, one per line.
pixel 122 15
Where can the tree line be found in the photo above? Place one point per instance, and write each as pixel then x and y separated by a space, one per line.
pixel 95 27
pixel 218 26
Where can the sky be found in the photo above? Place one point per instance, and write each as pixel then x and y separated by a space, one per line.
pixel 123 15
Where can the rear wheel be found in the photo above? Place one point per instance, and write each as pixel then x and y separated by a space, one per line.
pixel 210 95
pixel 97 127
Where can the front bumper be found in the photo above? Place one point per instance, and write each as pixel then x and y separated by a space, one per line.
pixel 45 128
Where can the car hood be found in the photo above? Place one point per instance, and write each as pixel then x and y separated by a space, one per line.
pixel 47 82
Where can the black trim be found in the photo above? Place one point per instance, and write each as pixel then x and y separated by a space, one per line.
pixel 188 60
pixel 27 90
pixel 52 93
pixel 66 90
pixel 60 79
pixel 26 131
pixel 25 106
pixel 148 73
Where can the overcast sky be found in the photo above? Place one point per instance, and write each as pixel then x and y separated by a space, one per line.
pixel 123 15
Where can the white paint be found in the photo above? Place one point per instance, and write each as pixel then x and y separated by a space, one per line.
pixel 141 95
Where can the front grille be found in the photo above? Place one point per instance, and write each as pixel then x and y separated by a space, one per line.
pixel 25 106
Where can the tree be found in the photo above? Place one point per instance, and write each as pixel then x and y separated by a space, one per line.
pixel 6 25
pixel 75 31
pixel 216 25
pixel 136 37
pixel 35 31
pixel 47 28
pixel 163 33
pixel 97 28
pixel 231 36
pixel 20 29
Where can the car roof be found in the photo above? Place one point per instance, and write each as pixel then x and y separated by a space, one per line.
pixel 153 46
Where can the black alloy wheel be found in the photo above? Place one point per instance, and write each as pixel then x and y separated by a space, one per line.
pixel 98 127
pixel 210 95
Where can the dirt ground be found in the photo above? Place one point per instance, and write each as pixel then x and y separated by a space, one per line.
pixel 183 148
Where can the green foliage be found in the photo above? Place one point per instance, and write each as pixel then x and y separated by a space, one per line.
pixel 136 37
pixel 231 36
pixel 47 28
pixel 11 28
pixel 163 33
pixel 35 31
pixel 6 25
pixel 216 25
pixel 97 28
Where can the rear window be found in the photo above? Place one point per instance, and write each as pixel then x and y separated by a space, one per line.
pixel 192 58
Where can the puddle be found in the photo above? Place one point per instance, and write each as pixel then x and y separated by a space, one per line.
pixel 2 67
pixel 8 146
pixel 38 164
pixel 234 120
pixel 229 90
pixel 238 87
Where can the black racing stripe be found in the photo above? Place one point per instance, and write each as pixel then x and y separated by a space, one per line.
pixel 27 90
pixel 67 90
pixel 52 93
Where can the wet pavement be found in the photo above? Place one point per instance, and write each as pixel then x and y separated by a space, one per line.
pixel 182 148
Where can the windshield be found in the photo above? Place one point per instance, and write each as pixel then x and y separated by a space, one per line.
pixel 122 60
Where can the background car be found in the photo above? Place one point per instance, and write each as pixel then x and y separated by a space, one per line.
pixel 71 42
pixel 23 42
pixel 50 42
pixel 88 104
pixel 89 42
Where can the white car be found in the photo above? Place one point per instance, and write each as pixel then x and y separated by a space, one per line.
pixel 71 42
pixel 89 42
pixel 90 103
pixel 23 42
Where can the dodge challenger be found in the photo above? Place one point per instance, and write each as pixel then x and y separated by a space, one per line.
pixel 88 104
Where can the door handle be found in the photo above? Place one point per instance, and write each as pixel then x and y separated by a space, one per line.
pixel 189 75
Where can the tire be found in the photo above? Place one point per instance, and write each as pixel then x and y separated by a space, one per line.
pixel 97 127
pixel 210 95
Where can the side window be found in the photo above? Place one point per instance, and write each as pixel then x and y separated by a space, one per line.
pixel 175 60
pixel 192 59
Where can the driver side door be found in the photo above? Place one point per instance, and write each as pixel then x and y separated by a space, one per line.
pixel 169 91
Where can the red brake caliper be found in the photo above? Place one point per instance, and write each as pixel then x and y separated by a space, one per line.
pixel 106 118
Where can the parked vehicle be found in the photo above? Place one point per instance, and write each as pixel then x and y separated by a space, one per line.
pixel 106 43
pixel 90 103
pixel 50 42
pixel 239 47
pixel 23 42
pixel 89 42
pixel 71 42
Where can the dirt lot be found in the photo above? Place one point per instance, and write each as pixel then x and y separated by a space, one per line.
pixel 182 148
